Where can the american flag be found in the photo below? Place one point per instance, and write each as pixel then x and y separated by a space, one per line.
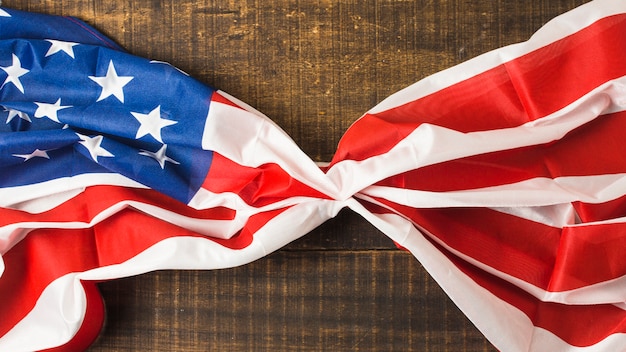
pixel 504 176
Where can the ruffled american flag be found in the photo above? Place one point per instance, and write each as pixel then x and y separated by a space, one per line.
pixel 504 176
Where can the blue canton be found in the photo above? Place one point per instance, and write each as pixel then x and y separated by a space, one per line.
pixel 68 109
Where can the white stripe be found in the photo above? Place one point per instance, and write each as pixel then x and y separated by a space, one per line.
pixel 559 28
pixel 251 139
pixel 543 340
pixel 43 196
pixel 535 192
pixel 558 215
pixel 430 144
pixel 60 309
pixel 205 199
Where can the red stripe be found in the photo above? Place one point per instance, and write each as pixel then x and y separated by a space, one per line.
pixel 47 254
pixel 589 254
pixel 93 200
pixel 508 95
pixel 602 211
pixel 515 246
pixel 594 149
pixel 35 262
pixel 550 258
pixel 578 325
pixel 257 186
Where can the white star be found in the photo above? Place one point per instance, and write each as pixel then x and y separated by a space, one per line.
pixel 58 45
pixel 14 72
pixel 13 113
pixel 152 123
pixel 4 13
pixel 93 146
pixel 50 110
pixel 112 84
pixel 37 153
pixel 159 156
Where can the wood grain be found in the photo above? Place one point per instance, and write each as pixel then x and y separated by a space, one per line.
pixel 325 300
pixel 313 67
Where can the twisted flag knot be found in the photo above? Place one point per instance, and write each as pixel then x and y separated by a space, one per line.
pixel 504 176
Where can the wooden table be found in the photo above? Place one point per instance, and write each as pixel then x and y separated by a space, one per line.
pixel 313 67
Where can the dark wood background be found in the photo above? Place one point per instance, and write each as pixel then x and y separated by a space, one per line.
pixel 313 67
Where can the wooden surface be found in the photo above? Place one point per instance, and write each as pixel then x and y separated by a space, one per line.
pixel 313 67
